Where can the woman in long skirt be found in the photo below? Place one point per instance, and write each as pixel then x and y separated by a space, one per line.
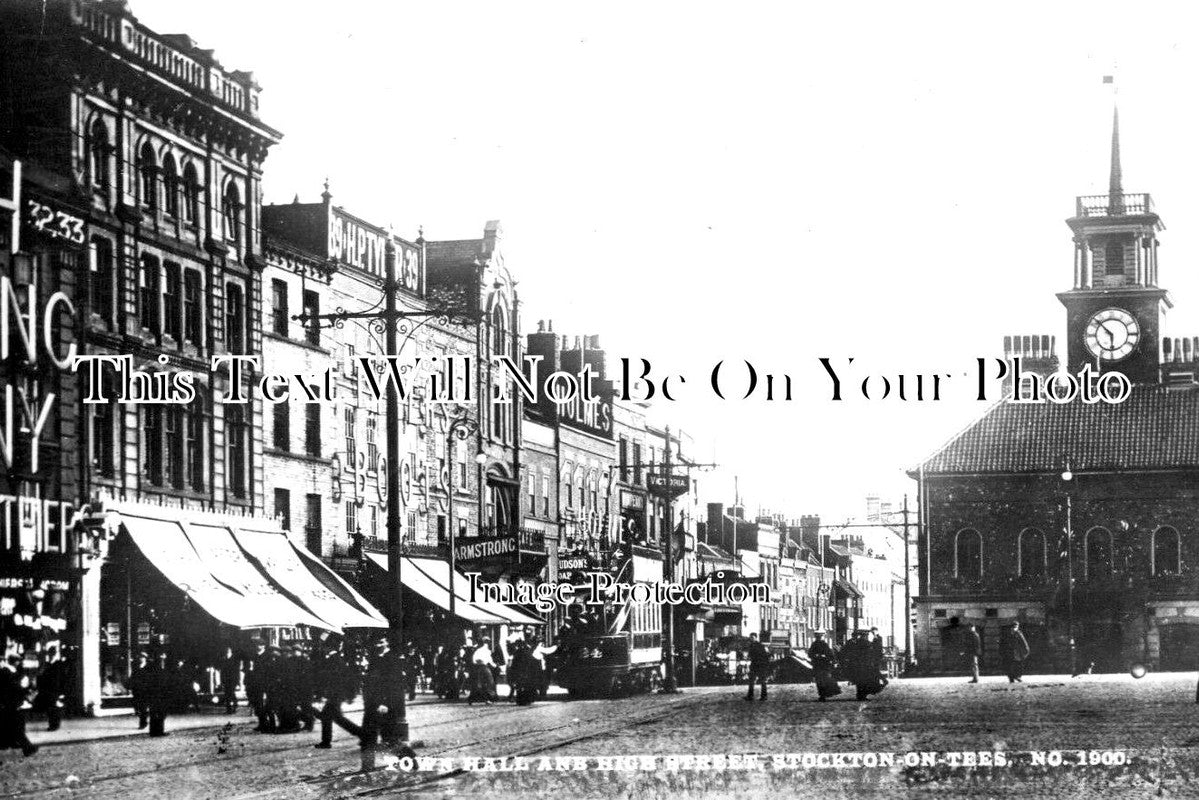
pixel 822 668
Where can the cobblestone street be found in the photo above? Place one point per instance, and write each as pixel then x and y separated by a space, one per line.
pixel 1151 722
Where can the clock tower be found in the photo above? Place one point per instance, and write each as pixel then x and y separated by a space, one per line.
pixel 1115 311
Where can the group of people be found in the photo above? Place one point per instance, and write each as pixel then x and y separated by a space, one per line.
pixel 15 690
pixel 860 661
pixel 476 670
pixel 968 644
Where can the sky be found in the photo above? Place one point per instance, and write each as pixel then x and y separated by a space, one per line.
pixel 762 182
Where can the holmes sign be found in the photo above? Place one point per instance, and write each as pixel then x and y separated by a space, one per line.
pixel 478 548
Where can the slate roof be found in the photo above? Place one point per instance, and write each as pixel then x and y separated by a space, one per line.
pixel 1155 428
pixel 454 252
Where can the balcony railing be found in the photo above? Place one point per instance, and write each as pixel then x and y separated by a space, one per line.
pixel 199 72
pixel 1102 205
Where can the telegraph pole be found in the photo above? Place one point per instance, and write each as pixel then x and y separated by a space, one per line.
pixel 907 590
pixel 671 686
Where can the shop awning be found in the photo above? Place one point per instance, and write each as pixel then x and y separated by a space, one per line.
pixel 432 575
pixel 847 587
pixel 168 548
pixel 227 562
pixel 280 559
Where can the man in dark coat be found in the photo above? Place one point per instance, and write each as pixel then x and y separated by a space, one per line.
pixel 137 688
pixel 12 716
pixel 230 676
pixel 51 686
pixel 759 666
pixel 382 691
pixel 258 678
pixel 161 692
pixel 334 682
pixel 1013 651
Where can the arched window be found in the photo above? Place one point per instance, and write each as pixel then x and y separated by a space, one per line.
pixel 1166 552
pixel 968 554
pixel 1032 552
pixel 147 167
pixel 98 148
pixel 232 209
pixel 191 194
pixel 1099 553
pixel 170 185
pixel 499 333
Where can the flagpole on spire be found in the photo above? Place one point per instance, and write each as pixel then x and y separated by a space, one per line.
pixel 1115 183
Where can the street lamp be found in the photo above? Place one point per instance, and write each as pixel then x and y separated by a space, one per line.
pixel 461 427
pixel 1068 476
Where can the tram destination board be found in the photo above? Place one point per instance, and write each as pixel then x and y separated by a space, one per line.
pixel 668 485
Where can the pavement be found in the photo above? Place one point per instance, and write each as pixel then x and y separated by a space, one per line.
pixel 954 730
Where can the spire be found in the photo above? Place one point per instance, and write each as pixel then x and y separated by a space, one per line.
pixel 1115 184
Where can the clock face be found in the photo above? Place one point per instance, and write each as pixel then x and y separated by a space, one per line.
pixel 1112 334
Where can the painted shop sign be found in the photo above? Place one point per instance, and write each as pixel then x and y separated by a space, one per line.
pixel 365 247
pixel 476 548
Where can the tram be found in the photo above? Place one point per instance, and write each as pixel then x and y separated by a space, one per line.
pixel 620 655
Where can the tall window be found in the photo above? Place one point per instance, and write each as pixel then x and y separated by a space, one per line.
pixel 235 318
pixel 1032 553
pixel 194 445
pixel 1098 553
pixel 281 424
pixel 624 458
pixel 312 429
pixel 279 307
pixel 1113 257
pixel 170 300
pixel 232 212
pixel 191 307
pixel 237 435
pixel 147 167
pixel 191 194
pixel 152 444
pixel 351 518
pixel 545 495
pixel 312 325
pixel 103 430
pixel 372 439
pixel 283 508
pixel 173 431
pixel 170 185
pixel 968 554
pixel 103 276
pixel 637 463
pixel 313 527
pixel 1166 555
pixel 98 149
pixel 148 292
pixel 351 433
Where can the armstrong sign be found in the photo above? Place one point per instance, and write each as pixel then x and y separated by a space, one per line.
pixel 478 548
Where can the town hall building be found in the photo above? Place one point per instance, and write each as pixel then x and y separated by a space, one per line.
pixel 1077 520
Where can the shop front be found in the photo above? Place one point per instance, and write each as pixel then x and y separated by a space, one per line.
pixel 185 585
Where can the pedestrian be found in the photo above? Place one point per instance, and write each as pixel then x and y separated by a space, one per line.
pixel 823 664
pixel 161 691
pixel 230 668
pixel 287 690
pixel 13 689
pixel 335 681
pixel 861 665
pixel 482 689
pixel 523 674
pixel 1013 651
pixel 262 666
pixel 137 688
pixel 877 651
pixel 51 688
pixel 759 666
pixel 972 650
pixel 544 667
pixel 382 693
